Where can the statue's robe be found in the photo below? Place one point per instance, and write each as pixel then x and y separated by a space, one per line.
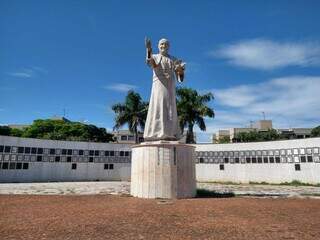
pixel 162 119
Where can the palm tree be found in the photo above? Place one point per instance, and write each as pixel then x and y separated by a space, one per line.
pixel 132 112
pixel 192 109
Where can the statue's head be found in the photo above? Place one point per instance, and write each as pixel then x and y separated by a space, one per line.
pixel 163 46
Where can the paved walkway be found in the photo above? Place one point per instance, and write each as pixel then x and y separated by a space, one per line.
pixel 123 188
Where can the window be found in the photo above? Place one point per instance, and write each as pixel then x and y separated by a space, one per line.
pixel 69 152
pixel 302 151
pixel 106 166
pixel 19 165
pixel 52 151
pixel 254 160
pixel 236 160
pixel 111 166
pixel 73 166
pixel 289 159
pixel 86 152
pixel 226 160
pixel 259 159
pixel 80 152
pixel 277 159
pixel 111 153
pixel 276 152
pixel 126 153
pixel 58 151
pixel 201 160
pixel 69 159
pixel 33 150
pixel 5 165
pixel 124 138
pixel 20 149
pixel 27 150
pixel 264 153
pixel 248 160
pixel 25 166
pixel 64 152
pixel 39 158
pixel 121 153
pixel 297 167
pixel 7 149
pixel 316 158
pixel 283 152
pixel 295 151
pixel 75 152
pixel 283 159
pixel 315 150
pixel 96 152
pixel 271 159
pixel 33 158
pixel 270 153
pixel 57 159
pixel 265 160
pixel 12 165
pixel 130 138
pixel 309 158
pixel 303 158
pixel 289 151
pixel 46 151
pixel 20 157
pixel 90 159
pixel 259 153
pixel 40 151
pixel 91 152
pixel 1 148
pixel 221 167
pixel 296 159
pixel 309 151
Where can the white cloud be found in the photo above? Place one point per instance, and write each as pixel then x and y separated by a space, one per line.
pixel 120 87
pixel 267 55
pixel 28 72
pixel 287 101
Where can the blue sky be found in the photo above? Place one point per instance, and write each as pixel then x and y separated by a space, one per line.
pixel 83 56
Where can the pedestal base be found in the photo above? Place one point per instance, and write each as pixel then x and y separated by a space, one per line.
pixel 163 169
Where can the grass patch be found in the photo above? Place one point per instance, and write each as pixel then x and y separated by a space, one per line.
pixel 224 183
pixel 204 193
pixel 292 183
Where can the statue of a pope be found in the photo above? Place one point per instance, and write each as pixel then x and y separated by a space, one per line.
pixel 162 119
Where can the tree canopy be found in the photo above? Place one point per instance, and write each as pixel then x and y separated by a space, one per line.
pixel 315 132
pixel 132 112
pixel 192 109
pixel 258 136
pixel 60 130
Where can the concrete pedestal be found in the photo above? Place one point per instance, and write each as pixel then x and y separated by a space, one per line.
pixel 163 169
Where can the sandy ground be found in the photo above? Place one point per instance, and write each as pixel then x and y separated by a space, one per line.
pixel 123 217
pixel 123 188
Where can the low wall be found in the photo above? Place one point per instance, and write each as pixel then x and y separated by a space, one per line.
pixel 272 162
pixel 29 160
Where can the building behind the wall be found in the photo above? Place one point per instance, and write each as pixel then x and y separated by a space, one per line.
pixel 31 160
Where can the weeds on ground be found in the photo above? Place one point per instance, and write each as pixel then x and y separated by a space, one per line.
pixel 204 193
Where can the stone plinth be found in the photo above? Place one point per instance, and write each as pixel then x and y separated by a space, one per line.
pixel 163 169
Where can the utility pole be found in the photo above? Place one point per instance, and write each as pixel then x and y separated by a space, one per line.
pixel 264 116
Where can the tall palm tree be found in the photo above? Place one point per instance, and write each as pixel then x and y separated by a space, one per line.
pixel 192 109
pixel 132 112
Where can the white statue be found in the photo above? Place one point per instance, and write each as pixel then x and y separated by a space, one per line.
pixel 162 119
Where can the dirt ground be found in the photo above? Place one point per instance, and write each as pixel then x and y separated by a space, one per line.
pixel 120 217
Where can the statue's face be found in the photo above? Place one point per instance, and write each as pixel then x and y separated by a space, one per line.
pixel 163 47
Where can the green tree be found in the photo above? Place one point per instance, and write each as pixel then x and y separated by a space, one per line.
pixel 315 132
pixel 132 112
pixel 257 136
pixel 4 131
pixel 63 130
pixel 192 109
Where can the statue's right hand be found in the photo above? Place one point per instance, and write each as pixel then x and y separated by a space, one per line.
pixel 147 43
